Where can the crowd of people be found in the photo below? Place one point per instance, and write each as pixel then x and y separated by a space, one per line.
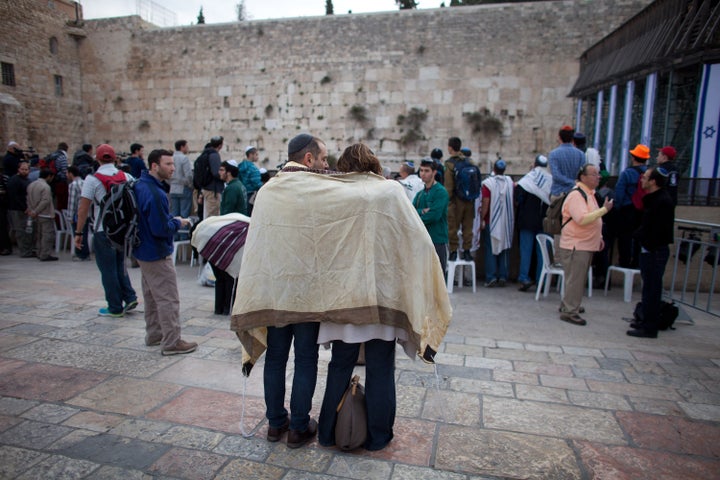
pixel 460 211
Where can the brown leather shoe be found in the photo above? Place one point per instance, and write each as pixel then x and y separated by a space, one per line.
pixel 153 342
pixel 274 434
pixel 180 347
pixel 297 439
pixel 573 318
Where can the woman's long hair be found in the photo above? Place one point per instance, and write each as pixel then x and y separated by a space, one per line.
pixel 359 158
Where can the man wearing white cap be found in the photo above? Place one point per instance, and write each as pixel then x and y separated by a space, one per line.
pixel 12 158
pixel 250 174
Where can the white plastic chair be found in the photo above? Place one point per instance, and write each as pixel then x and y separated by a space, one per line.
pixel 63 232
pixel 181 243
pixel 548 270
pixel 451 266
pixel 628 281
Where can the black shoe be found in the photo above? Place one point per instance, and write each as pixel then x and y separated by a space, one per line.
pixel 453 256
pixel 575 319
pixel 297 439
pixel 49 258
pixel 5 252
pixel 642 333
pixel 580 310
pixel 525 286
pixel 467 256
pixel 274 434
pixel 637 325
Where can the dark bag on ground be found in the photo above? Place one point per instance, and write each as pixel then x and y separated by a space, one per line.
pixel 351 426
pixel 668 313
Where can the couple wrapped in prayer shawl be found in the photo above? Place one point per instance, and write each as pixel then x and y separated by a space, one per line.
pixel 335 247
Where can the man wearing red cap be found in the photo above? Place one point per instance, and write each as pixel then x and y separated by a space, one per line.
pixel 666 160
pixel 628 219
pixel 119 293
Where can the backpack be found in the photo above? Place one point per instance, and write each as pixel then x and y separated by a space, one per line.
pixel 49 162
pixel 119 212
pixel 202 175
pixel 639 193
pixel 668 313
pixel 467 180
pixel 552 223
pixel 439 173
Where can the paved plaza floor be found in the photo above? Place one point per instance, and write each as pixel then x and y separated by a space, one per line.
pixel 516 393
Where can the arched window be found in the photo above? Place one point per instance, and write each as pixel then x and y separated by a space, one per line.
pixel 53 45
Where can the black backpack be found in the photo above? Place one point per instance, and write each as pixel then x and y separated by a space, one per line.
pixel 202 175
pixel 119 212
pixel 552 223
pixel 467 180
pixel 668 313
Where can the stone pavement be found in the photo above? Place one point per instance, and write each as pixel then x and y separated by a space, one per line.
pixel 517 393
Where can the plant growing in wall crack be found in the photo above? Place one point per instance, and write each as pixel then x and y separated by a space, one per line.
pixel 412 125
pixel 359 114
pixel 144 125
pixel 484 124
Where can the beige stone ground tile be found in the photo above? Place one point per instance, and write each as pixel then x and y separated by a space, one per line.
pixel 491 363
pixel 127 396
pixel 485 342
pixel 193 372
pixel 15 460
pixel 409 400
pixel 241 468
pixel 603 401
pixel 483 387
pixel 465 349
pixel 450 359
pixel 452 407
pixel 516 377
pixel 543 348
pixel 541 394
pixel 516 355
pixel 549 419
pixel 410 472
pixel 544 368
pixel 647 391
pixel 658 407
pixel 58 466
pixel 96 422
pixel 310 458
pixel 573 360
pixel 359 467
pixel 701 411
pixel 567 383
pixel 504 454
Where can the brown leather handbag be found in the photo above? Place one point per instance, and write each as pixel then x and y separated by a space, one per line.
pixel 351 425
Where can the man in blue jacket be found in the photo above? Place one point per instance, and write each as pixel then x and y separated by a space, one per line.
pixel 156 230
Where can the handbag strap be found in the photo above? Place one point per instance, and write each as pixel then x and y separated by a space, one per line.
pixel 352 388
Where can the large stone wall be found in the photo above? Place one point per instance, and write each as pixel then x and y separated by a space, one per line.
pixel 262 82
pixel 30 112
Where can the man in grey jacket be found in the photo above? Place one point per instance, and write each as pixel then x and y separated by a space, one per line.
pixel 181 186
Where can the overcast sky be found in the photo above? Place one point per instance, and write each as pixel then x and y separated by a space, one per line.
pixel 219 11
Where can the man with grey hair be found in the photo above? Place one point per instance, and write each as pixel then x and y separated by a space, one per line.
pixel 411 182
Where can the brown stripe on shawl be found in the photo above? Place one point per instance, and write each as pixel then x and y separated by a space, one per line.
pixel 222 247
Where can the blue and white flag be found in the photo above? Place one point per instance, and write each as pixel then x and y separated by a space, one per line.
pixel 706 157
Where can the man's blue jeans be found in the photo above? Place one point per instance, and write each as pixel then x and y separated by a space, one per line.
pixel 114 276
pixel 527 244
pixel 303 386
pixel 379 390
pixel 496 266
pixel 652 268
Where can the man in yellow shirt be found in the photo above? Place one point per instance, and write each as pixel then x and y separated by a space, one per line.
pixel 581 236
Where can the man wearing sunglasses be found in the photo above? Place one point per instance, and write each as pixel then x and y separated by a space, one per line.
pixel 654 235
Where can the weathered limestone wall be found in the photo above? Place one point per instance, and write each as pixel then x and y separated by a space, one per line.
pixel 262 82
pixel 25 31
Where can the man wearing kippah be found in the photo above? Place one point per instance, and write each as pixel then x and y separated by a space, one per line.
pixel 250 175
pixel 305 153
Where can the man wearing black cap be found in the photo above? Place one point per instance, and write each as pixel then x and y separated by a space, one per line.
pixel 305 152
pixel 437 155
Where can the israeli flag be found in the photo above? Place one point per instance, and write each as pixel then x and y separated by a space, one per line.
pixel 706 157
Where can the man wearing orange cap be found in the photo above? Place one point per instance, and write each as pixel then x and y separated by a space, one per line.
pixel 666 160
pixel 628 219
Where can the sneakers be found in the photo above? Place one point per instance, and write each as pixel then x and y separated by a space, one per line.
pixel 130 306
pixel 467 256
pixel 525 286
pixel 104 312
pixel 491 284
pixel 453 256
pixel 180 347
pixel 573 318
pixel 274 434
pixel 297 439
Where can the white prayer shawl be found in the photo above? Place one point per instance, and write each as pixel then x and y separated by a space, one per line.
pixel 537 182
pixel 501 212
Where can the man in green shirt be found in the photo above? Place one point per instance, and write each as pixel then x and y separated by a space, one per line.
pixel 432 205
pixel 234 197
